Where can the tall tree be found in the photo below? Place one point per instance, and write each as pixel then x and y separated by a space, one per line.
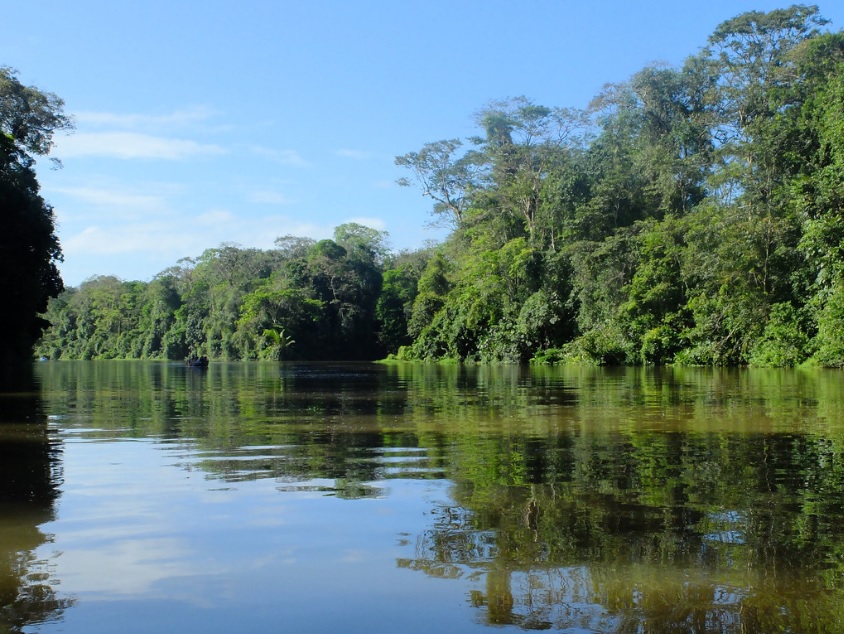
pixel 446 176
pixel 29 248
pixel 524 142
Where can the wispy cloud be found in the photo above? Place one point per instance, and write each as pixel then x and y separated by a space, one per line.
pixel 125 239
pixel 176 120
pixel 141 135
pixel 132 145
pixel 357 155
pixel 215 217
pixel 114 200
pixel 280 155
pixel 268 197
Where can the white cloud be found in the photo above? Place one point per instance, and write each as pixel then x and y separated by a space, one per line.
pixel 283 156
pixel 268 197
pixel 358 155
pixel 114 199
pixel 215 217
pixel 132 145
pixel 178 119
pixel 135 238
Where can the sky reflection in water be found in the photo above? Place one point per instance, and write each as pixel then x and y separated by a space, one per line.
pixel 144 534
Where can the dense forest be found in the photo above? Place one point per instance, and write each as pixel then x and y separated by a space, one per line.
pixel 690 215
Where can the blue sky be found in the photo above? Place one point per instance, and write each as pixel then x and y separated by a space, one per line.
pixel 200 123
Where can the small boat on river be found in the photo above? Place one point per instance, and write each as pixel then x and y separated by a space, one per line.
pixel 197 362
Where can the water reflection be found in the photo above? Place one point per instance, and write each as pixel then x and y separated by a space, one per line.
pixel 620 500
pixel 700 549
pixel 30 473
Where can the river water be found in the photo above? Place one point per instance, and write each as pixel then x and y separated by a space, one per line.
pixel 258 497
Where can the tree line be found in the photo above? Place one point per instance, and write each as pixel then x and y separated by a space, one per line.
pixel 689 215
pixel 342 298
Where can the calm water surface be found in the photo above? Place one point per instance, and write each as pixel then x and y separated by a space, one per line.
pixel 149 497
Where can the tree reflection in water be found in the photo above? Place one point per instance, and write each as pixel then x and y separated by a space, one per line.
pixel 670 533
pixel 30 473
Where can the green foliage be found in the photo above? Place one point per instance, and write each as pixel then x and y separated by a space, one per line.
pixel 784 342
pixel 395 302
pixel 28 116
pixel 830 338
pixel 29 248
pixel 276 341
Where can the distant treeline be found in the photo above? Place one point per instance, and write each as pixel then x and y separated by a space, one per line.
pixel 332 299
pixel 690 215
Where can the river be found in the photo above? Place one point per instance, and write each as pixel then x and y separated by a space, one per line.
pixel 262 497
